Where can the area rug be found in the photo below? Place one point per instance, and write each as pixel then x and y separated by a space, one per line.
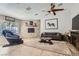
pixel 57 47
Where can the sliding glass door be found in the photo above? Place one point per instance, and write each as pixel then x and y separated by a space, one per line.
pixel 9 25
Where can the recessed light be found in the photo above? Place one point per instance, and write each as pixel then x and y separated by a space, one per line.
pixel 36 14
pixel 28 8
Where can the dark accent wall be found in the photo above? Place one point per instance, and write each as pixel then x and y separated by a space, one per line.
pixel 75 23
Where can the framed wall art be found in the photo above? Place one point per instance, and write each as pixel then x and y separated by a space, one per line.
pixel 7 18
pixel 51 23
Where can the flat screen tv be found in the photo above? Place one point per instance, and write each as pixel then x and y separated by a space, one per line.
pixel 31 30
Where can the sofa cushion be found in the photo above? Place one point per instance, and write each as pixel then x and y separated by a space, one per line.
pixel 53 35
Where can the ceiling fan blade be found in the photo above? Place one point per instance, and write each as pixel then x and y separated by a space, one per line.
pixel 53 6
pixel 57 9
pixel 54 13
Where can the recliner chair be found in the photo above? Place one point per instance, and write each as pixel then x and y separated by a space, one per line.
pixel 12 38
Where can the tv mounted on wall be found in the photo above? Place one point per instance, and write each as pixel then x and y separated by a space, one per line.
pixel 31 30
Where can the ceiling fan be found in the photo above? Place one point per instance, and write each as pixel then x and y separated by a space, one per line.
pixel 53 9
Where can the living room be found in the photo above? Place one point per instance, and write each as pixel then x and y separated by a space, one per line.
pixel 31 21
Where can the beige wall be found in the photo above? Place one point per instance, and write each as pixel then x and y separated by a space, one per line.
pixel 24 30
pixel 2 19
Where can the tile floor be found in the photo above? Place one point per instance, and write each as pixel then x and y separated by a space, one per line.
pixel 32 47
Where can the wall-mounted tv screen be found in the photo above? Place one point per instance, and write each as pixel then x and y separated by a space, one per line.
pixel 31 30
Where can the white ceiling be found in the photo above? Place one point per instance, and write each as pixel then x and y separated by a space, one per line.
pixel 19 11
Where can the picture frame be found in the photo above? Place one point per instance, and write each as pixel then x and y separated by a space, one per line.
pixel 51 23
pixel 31 22
pixel 7 18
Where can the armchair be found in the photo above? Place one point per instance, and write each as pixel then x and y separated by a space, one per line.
pixel 12 38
